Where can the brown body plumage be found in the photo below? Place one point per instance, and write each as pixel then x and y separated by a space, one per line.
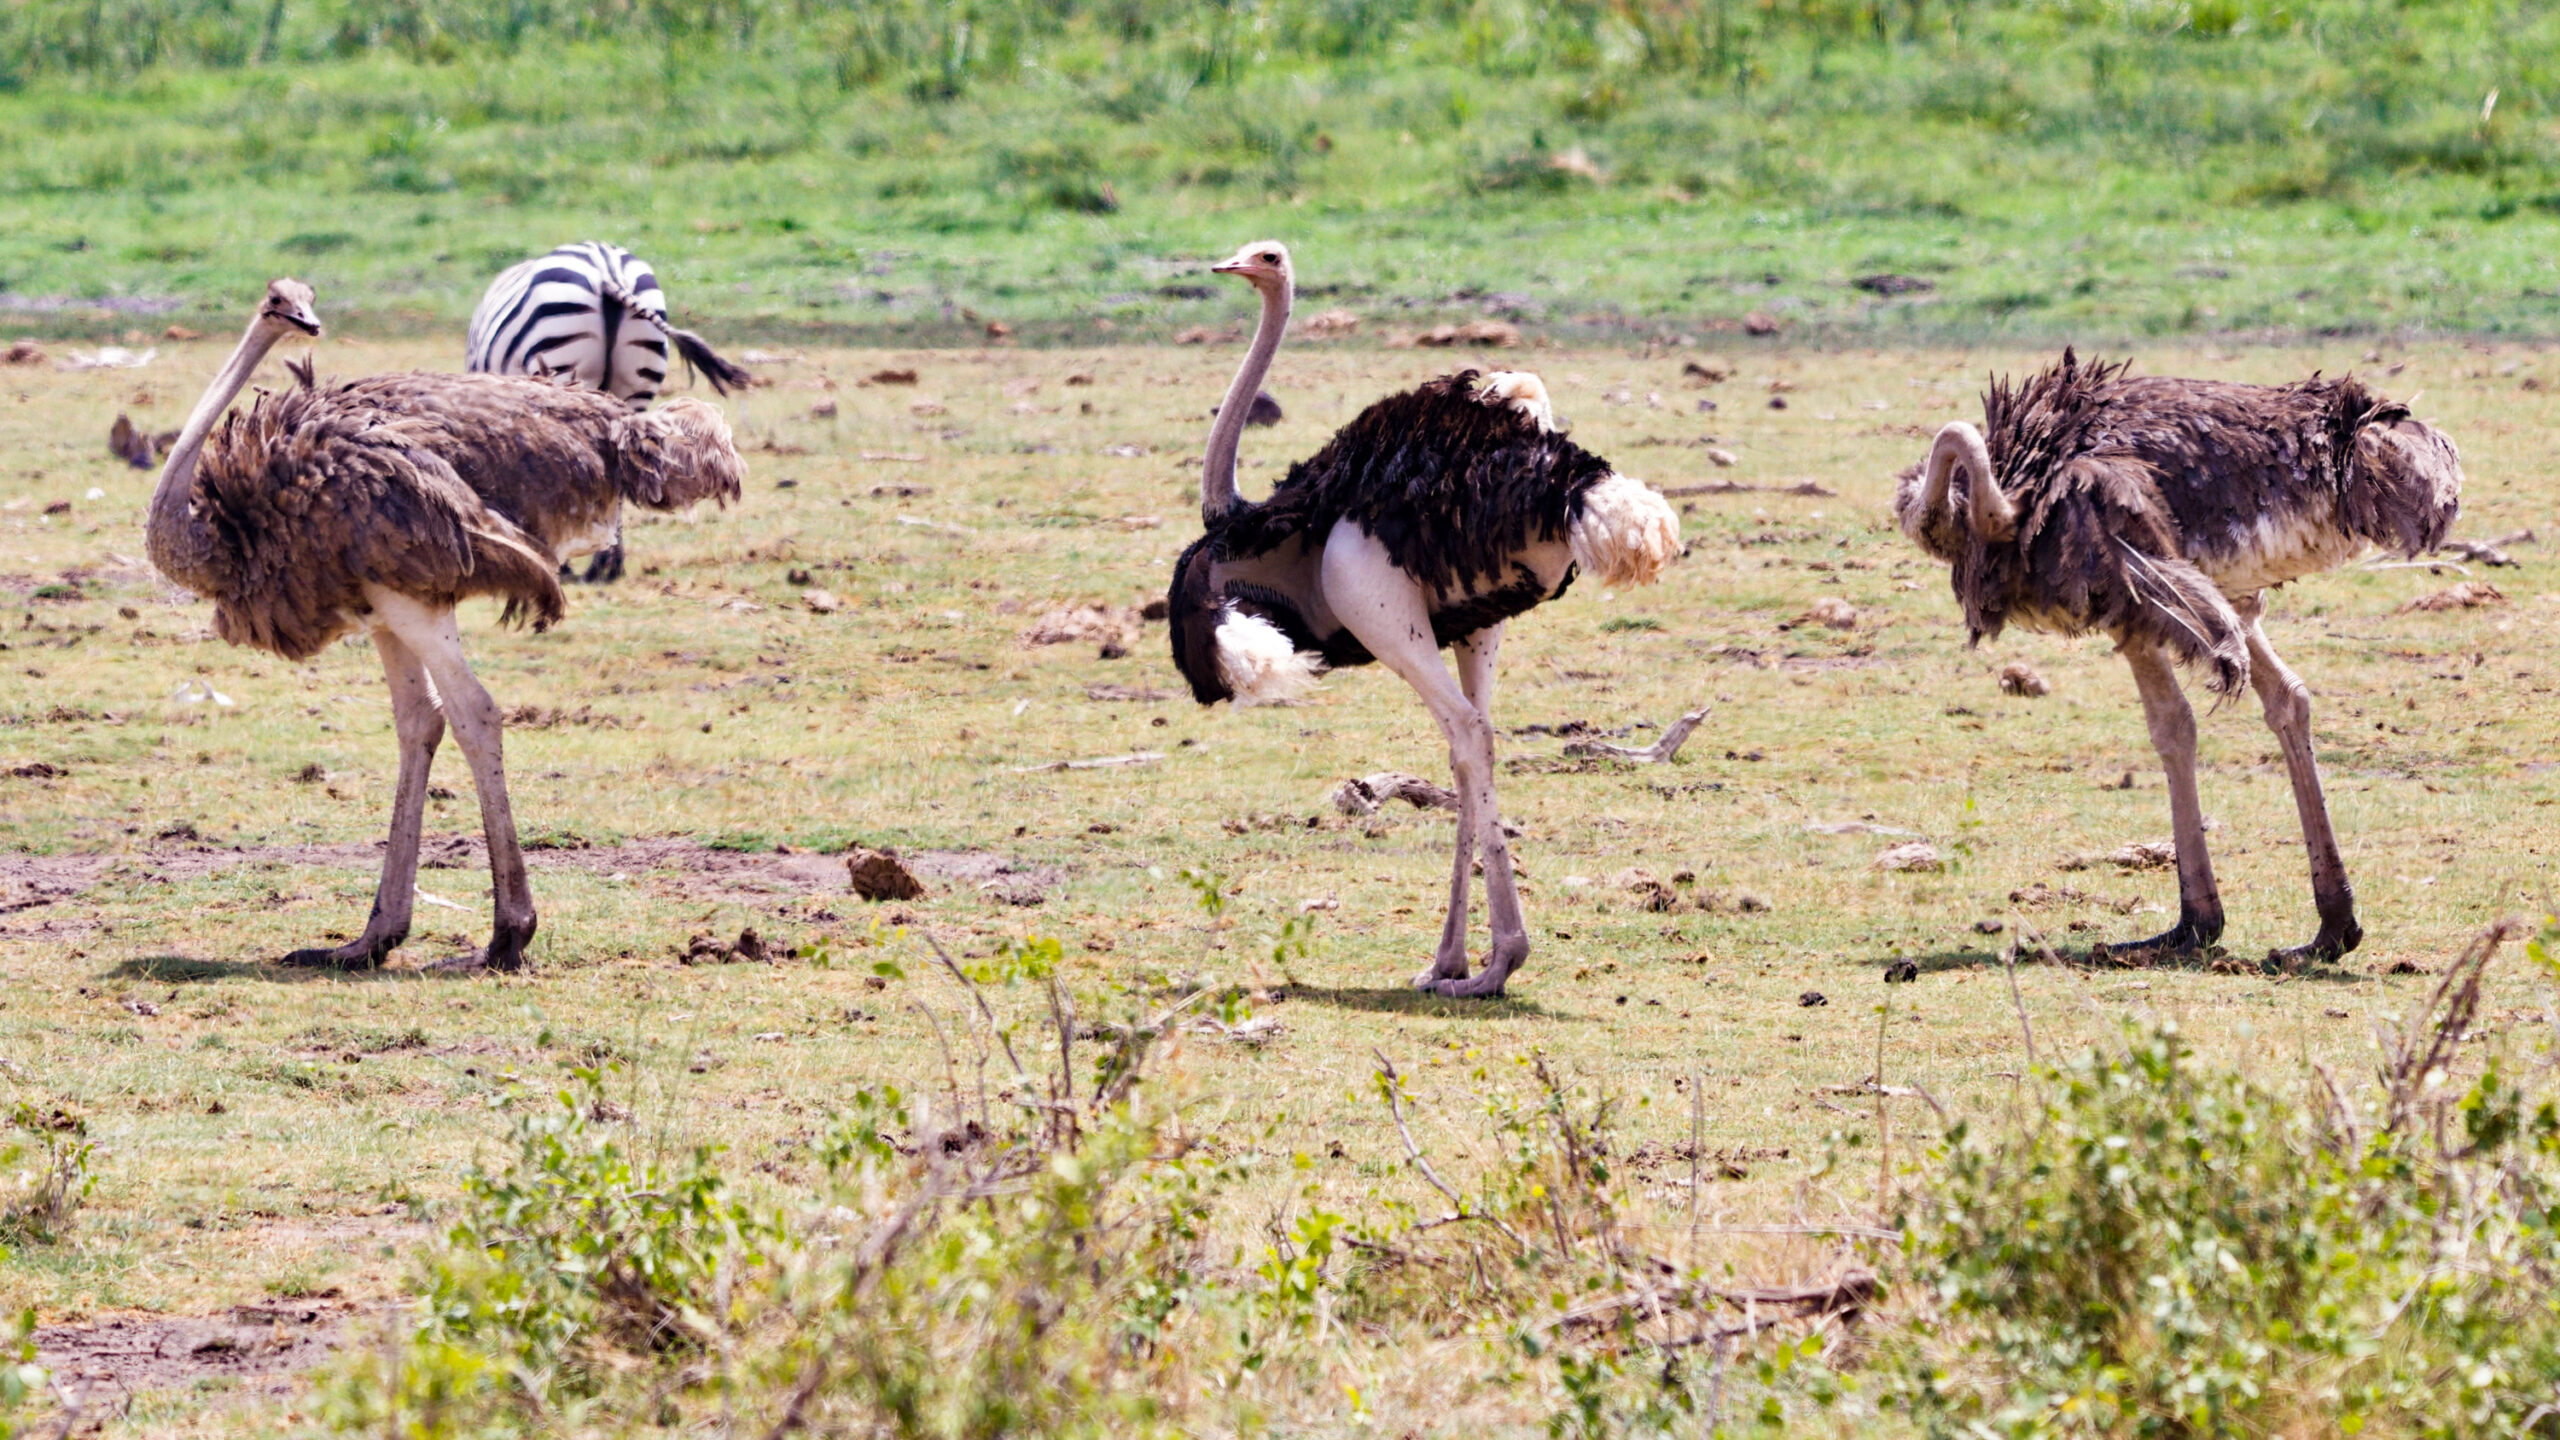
pixel 2157 511
pixel 382 503
pixel 439 486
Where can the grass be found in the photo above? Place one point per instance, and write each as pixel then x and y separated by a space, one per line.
pixel 910 173
pixel 256 1129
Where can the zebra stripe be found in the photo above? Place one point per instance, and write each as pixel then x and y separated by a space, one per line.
pixel 590 311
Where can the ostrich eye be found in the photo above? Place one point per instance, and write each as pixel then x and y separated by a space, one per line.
pixel 1270 259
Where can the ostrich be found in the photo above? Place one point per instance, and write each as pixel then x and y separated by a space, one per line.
pixel 594 313
pixel 379 504
pixel 2158 511
pixel 1427 522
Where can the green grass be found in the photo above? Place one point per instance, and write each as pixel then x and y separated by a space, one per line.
pixel 911 172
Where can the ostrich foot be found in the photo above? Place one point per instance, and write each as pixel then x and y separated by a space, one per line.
pixel 503 953
pixel 1486 983
pixel 2335 939
pixel 1449 964
pixel 2186 938
pixel 365 952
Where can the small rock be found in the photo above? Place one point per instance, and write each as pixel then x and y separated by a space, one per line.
pixel 1912 857
pixel 1777 402
pixel 822 601
pixel 1811 998
pixel 881 875
pixel 1759 322
pixel 824 409
pixel 1989 927
pixel 1833 613
pixel 23 352
pixel 1721 457
pixel 2020 678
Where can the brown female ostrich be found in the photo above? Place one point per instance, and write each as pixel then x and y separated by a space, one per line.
pixel 380 504
pixel 2158 511
pixel 1428 521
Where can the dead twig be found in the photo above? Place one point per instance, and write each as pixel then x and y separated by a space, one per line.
pixel 1657 753
pixel 1106 762
pixel 984 1009
pixel 1391 1086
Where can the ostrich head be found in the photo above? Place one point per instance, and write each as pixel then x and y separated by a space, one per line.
pixel 1264 264
pixel 288 307
pixel 1920 497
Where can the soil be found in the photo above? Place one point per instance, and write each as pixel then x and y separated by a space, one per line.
pixel 101 1366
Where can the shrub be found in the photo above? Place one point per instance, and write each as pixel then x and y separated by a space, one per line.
pixel 2166 1249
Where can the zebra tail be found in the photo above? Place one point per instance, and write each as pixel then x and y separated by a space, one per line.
pixel 699 356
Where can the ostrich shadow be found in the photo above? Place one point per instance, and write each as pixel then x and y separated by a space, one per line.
pixel 1405 1000
pixel 2076 960
pixel 188 970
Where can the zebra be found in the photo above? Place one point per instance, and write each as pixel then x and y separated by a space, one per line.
pixel 591 313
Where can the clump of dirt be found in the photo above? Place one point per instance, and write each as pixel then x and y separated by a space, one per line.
pixel 2469 595
pixel 880 875
pixel 2020 678
pixel 102 1365
pixel 1110 626
pixel 748 949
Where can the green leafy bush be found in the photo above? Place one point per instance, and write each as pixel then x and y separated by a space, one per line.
pixel 2168 1249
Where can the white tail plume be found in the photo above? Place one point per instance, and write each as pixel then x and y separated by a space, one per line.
pixel 1259 664
pixel 1626 532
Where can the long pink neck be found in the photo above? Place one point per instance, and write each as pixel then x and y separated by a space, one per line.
pixel 1218 493
pixel 176 543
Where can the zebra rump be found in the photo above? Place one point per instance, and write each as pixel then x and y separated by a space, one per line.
pixel 594 314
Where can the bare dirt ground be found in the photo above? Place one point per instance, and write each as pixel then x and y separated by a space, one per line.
pixel 696 748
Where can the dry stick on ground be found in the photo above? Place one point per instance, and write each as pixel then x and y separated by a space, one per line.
pixel 2010 958
pixel 2454 1004
pixel 984 1009
pixel 1657 753
pixel 1390 1085
pixel 950 1069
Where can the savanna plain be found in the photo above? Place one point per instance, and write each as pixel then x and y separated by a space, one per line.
pixel 1703 1055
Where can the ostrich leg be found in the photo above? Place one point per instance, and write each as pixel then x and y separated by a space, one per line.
pixel 414 718
pixel 2173 734
pixel 430 634
pixel 2288 705
pixel 1387 610
pixel 1475 656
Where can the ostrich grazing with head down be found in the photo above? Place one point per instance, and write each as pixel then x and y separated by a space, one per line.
pixel 594 313
pixel 2158 511
pixel 380 504
pixel 1427 522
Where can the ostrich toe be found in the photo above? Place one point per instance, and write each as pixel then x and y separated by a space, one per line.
pixel 2335 939
pixel 365 952
pixel 2185 938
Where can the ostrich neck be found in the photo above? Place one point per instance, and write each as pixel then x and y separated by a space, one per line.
pixel 173 539
pixel 1218 469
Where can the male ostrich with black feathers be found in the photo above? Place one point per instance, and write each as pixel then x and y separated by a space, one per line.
pixel 1427 522
pixel 2158 511
pixel 379 505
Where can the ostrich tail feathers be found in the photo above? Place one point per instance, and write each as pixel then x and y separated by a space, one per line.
pixel 508 564
pixel 2178 609
pixel 1624 532
pixel 677 454
pixel 1258 664
pixel 698 356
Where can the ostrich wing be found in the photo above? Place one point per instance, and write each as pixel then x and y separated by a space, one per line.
pixel 308 500
pixel 1452 485
pixel 555 459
